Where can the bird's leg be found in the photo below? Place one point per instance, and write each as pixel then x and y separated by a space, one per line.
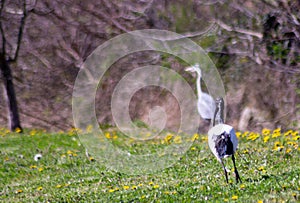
pixel 237 176
pixel 225 171
pixel 199 129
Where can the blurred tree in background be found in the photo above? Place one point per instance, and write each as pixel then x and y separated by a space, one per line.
pixel 255 45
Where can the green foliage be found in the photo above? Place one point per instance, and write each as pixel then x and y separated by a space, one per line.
pixel 140 124
pixel 207 41
pixel 278 51
pixel 183 16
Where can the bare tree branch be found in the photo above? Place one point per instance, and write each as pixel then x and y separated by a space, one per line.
pixel 1 28
pixel 107 18
pixel 20 33
pixel 41 58
pixel 211 30
pixel 239 30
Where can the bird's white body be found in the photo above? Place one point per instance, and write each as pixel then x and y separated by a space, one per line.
pixel 206 104
pixel 216 131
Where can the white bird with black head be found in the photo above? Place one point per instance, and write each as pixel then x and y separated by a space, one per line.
pixel 222 139
pixel 206 104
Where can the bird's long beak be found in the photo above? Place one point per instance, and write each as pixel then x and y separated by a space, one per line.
pixel 189 69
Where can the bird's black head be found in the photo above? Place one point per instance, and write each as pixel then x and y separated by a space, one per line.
pixel 225 136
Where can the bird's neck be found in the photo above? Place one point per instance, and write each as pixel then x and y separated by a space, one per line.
pixel 198 83
pixel 219 115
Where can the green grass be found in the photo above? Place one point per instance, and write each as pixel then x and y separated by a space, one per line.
pixel 270 171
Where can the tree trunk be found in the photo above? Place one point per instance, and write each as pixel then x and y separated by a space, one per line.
pixel 13 116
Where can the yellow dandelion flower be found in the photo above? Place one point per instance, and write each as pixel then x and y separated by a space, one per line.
pixel 6 159
pixel 261 168
pixel 277 144
pixel 245 133
pixel 69 152
pixel 288 150
pixel 296 138
pixel 40 169
pixel 89 128
pixel 143 197
pixel 238 134
pixel 287 133
pixel 156 186
pixel 277 130
pixel 111 190
pixel 278 148
pixel 134 187
pixel 18 130
pixel 276 133
pixel 58 186
pixel 174 192
pixel 291 143
pixel 195 137
pixel 295 133
pixel 253 136
pixel 32 132
pixel 126 187
pixel 246 151
pixel 204 138
pixel 166 192
pixel 19 191
pixel 33 166
pixel 234 197
pixel 151 183
pixel 260 201
pixel 242 186
pixel 193 148
pixel 265 131
pixel 91 158
pixel 141 184
pixel 115 137
pixel 107 135
pixel 39 188
pixel 266 138
pixel 168 138
pixel 226 200
pixel 177 139
pixel 71 132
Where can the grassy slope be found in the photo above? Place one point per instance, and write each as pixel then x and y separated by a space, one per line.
pixel 270 171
